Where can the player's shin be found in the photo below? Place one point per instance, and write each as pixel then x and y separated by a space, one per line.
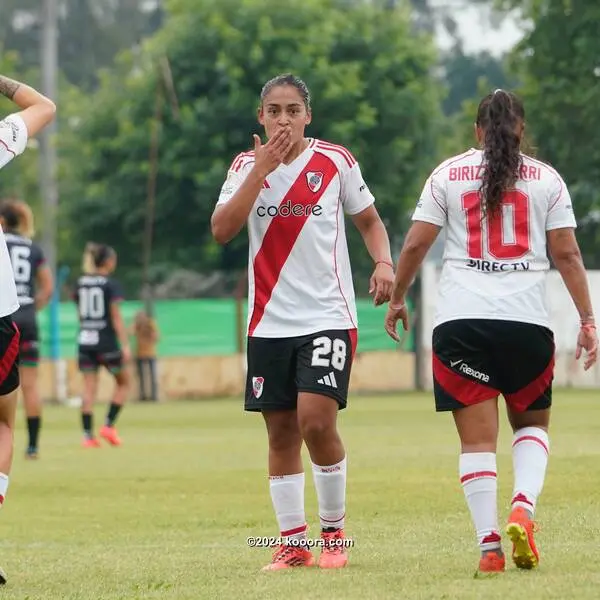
pixel 530 459
pixel 478 477
pixel 287 495
pixel 330 484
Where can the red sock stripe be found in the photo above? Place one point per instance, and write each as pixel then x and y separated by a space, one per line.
pixel 531 438
pixel 477 475
pixel 521 498
pixel 1 499
pixel 294 531
pixel 332 520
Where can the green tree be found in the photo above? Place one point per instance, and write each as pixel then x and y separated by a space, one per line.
pixel 373 92
pixel 559 63
pixel 91 33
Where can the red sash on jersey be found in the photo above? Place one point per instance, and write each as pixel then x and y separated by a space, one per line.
pixel 282 232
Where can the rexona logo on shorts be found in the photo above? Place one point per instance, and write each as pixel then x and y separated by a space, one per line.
pixel 473 373
pixel 288 209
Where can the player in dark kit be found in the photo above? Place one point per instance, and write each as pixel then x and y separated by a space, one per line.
pixel 102 339
pixel 34 284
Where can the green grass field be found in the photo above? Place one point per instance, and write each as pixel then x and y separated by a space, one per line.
pixel 168 514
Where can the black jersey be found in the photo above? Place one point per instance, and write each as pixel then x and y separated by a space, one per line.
pixel 26 258
pixel 94 296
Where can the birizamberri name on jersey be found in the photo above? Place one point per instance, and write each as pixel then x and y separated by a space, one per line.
pixel 474 172
pixel 489 266
pixel 287 209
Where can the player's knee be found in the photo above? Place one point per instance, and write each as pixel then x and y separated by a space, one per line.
pixel 284 435
pixel 315 427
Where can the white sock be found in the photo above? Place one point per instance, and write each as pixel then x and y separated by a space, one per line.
pixel 480 484
pixel 330 483
pixel 530 459
pixel 3 487
pixel 287 494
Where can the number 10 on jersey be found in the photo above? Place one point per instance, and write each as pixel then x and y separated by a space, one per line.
pixel 514 203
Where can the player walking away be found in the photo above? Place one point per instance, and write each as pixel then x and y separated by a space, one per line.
pixel 302 326
pixel 102 340
pixel 502 210
pixel 34 289
pixel 36 112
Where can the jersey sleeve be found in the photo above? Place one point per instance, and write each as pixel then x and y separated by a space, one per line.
pixel 560 208
pixel 432 206
pixel 13 138
pixel 238 171
pixel 37 257
pixel 115 291
pixel 355 194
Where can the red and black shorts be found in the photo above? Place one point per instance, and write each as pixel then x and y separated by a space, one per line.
pixel 29 352
pixel 280 368
pixel 9 356
pixel 479 359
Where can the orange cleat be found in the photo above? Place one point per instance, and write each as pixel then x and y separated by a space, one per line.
pixel 520 529
pixel 91 443
pixel 110 435
pixel 492 562
pixel 334 554
pixel 287 557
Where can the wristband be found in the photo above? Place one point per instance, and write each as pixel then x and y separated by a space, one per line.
pixel 398 307
pixel 384 262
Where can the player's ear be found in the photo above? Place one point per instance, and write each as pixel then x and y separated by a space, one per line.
pixel 308 117
pixel 260 114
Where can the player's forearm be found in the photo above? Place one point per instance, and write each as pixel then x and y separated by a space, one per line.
pixel 21 94
pixel 573 274
pixel 377 242
pixel 42 299
pixel 409 262
pixel 229 219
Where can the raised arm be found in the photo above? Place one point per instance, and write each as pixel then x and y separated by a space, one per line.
pixel 37 111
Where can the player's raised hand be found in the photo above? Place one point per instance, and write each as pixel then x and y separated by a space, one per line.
pixel 269 156
pixel 587 340
pixel 381 282
pixel 393 315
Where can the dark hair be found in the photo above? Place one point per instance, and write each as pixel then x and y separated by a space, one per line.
pixel 17 217
pixel 95 256
pixel 287 79
pixel 498 115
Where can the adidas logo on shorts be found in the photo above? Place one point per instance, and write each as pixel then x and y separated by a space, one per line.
pixel 328 380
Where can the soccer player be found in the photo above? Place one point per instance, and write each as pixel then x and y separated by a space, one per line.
pixel 36 112
pixel 102 339
pixel 292 192
pixel 502 211
pixel 34 289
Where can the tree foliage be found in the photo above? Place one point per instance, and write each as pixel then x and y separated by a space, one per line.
pixel 560 67
pixel 370 77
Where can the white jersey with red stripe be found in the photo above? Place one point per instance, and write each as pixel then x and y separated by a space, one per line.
pixel 299 275
pixel 494 268
pixel 13 140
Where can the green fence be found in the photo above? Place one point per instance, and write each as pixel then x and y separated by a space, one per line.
pixel 205 327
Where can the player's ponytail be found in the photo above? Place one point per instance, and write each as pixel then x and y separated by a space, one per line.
pixel 95 256
pixel 500 116
pixel 17 217
pixel 88 264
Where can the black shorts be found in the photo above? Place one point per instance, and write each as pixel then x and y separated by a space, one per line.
pixel 279 368
pixel 9 356
pixel 90 359
pixel 478 359
pixel 29 351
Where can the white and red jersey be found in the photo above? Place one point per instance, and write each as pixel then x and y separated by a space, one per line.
pixel 299 274
pixel 13 140
pixel 494 268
